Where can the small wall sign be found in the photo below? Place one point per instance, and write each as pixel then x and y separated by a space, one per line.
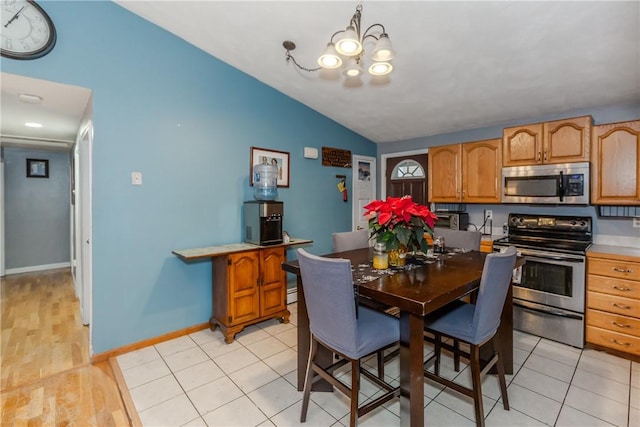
pixel 37 168
pixel 336 157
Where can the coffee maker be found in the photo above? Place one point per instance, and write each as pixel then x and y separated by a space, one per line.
pixel 263 222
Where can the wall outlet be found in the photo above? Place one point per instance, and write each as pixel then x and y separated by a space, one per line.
pixel 488 214
pixel 636 222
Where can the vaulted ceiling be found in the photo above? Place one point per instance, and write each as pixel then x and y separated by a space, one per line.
pixel 458 65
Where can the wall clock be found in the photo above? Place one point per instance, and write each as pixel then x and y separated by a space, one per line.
pixel 26 31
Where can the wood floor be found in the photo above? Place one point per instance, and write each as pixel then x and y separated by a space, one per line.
pixel 46 375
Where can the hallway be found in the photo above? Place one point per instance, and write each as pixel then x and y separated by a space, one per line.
pixel 46 375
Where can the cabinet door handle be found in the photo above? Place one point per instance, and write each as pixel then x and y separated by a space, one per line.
pixel 626 307
pixel 619 325
pixel 538 156
pixel 615 341
pixel 620 289
pixel 622 270
pixel 545 155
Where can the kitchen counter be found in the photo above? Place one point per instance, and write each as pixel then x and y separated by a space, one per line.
pixel 604 251
pixel 214 251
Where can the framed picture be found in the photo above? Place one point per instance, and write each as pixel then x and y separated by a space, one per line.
pixel 37 168
pixel 274 157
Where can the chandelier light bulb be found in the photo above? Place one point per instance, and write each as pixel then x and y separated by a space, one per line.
pixel 353 68
pixel 330 58
pixel 349 44
pixel 383 51
pixel 380 68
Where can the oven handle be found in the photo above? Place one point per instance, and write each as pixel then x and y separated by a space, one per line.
pixel 551 257
pixel 547 310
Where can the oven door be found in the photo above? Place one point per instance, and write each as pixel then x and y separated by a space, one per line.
pixel 553 279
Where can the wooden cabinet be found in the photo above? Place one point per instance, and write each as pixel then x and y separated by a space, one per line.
pixel 248 287
pixel 615 169
pixel 613 302
pixel 468 173
pixel 560 141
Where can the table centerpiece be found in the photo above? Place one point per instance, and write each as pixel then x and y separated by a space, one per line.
pixel 400 224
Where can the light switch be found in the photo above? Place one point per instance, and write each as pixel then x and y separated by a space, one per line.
pixel 136 178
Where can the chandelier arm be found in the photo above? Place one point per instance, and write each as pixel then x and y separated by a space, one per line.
pixel 366 33
pixel 335 34
pixel 355 19
pixel 369 35
pixel 292 59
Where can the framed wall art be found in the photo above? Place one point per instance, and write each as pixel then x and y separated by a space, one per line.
pixel 37 168
pixel 274 157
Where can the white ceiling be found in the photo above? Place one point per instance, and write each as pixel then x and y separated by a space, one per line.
pixel 60 112
pixel 458 65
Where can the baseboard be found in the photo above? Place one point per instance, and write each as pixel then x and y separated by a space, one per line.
pixel 99 357
pixel 292 295
pixel 37 268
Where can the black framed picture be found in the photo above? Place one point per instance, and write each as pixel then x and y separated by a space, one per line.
pixel 37 168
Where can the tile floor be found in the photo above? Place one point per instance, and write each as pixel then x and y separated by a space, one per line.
pixel 198 380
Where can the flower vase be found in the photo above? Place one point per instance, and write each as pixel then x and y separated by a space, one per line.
pixel 398 257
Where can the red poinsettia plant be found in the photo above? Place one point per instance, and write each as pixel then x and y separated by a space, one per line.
pixel 400 221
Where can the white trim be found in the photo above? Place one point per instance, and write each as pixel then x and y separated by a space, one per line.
pixel 2 272
pixel 292 295
pixel 37 268
pixel 383 167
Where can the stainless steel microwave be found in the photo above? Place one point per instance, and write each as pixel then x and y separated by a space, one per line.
pixel 452 220
pixel 566 183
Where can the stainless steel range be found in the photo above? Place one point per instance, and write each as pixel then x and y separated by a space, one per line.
pixel 549 292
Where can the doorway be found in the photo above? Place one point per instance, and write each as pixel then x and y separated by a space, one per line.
pixel 65 115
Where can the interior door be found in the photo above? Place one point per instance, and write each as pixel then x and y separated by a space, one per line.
pixel 86 238
pixel 407 175
pixel 364 188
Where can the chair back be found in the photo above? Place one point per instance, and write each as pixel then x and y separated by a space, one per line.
pixel 469 240
pixel 327 284
pixel 350 240
pixel 494 285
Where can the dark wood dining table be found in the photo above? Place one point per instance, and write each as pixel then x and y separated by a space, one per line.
pixel 416 292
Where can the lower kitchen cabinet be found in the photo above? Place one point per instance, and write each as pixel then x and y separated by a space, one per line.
pixel 248 287
pixel 613 302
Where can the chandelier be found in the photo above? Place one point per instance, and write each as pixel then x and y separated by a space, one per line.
pixel 346 49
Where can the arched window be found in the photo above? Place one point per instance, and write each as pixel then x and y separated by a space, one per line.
pixel 408 169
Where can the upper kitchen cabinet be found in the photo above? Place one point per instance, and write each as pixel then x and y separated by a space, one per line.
pixel 465 173
pixel 615 167
pixel 560 141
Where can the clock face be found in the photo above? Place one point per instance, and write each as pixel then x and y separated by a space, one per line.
pixel 26 31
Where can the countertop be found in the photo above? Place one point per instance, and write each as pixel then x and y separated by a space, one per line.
pixel 214 251
pixel 624 251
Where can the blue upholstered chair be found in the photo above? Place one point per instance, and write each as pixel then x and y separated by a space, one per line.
pixel 350 240
pixel 327 284
pixel 477 324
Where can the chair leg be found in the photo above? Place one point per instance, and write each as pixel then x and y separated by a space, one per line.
pixel 355 389
pixel 308 381
pixel 501 373
pixel 380 356
pixel 474 353
pixel 456 355
pixel 437 341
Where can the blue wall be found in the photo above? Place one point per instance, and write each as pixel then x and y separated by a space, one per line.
pixel 186 121
pixel 37 216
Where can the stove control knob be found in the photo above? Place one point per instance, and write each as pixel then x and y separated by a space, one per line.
pixel 583 223
pixel 574 223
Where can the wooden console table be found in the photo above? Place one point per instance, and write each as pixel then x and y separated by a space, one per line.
pixel 248 284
